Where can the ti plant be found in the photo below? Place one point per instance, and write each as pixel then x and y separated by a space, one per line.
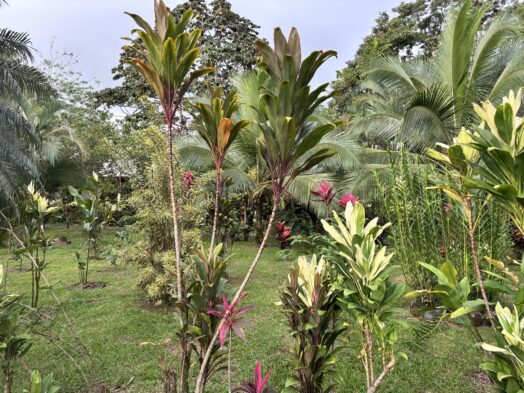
pixel 229 313
pixel 309 305
pixel 215 124
pixel 207 284
pixel 95 214
pixel 500 148
pixel 366 292
pixel 14 342
pixel 259 384
pixel 499 143
pixel 42 385
pixel 453 295
pixel 461 159
pixel 506 365
pixel 167 60
pixel 289 133
pixel 37 210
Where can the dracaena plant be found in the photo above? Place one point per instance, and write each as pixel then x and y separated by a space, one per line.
pixel 14 341
pixel 366 292
pixel 309 305
pixel 168 55
pixel 259 383
pixel 207 285
pixel 214 121
pixel 506 365
pixel 234 323
pixel 460 161
pixel 37 210
pixel 499 145
pixel 453 294
pixel 39 384
pixel 96 213
pixel 289 134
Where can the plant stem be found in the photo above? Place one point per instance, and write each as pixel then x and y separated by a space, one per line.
pixel 174 214
pixel 205 360
pixel 382 375
pixel 229 363
pixel 471 231
pixel 218 192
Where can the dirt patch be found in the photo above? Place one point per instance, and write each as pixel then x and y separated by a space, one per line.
pixel 480 382
pixel 90 285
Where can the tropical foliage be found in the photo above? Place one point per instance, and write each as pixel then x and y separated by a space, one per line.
pixel 309 305
pixel 423 102
pixel 367 293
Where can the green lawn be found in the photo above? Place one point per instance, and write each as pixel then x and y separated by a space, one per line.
pixel 111 322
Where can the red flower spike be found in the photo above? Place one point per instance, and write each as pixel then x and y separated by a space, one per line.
pixel 229 313
pixel 325 192
pixel 348 198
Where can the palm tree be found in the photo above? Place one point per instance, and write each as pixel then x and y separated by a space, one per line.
pixel 19 84
pixel 59 158
pixel 421 102
pixel 289 132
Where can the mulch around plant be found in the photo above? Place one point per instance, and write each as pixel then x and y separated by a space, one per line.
pixel 480 382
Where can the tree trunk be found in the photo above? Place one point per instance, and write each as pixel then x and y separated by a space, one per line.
pixel 218 192
pixel 471 231
pixel 199 385
pixel 174 211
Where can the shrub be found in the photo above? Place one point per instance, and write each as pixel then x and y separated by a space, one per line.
pixel 365 291
pixel 155 252
pixel 309 305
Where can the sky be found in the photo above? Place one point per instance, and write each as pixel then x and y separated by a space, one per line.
pixel 92 29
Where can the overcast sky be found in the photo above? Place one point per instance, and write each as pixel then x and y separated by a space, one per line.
pixel 92 28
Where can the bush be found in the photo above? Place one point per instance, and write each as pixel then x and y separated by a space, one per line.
pixel 155 252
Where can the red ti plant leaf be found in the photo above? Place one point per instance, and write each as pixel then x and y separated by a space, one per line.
pixel 348 198
pixel 230 314
pixel 325 192
pixel 258 385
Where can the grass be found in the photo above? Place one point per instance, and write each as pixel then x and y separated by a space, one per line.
pixel 111 322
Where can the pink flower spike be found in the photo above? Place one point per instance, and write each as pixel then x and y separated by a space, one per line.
pixel 349 197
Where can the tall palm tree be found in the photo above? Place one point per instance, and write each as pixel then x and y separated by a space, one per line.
pixel 61 151
pixel 20 83
pixel 422 102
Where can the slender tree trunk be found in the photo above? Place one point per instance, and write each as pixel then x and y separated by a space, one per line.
pixel 186 357
pixel 174 214
pixel 8 381
pixel 205 360
pixel 471 231
pixel 185 346
pixel 218 192
pixel 371 360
